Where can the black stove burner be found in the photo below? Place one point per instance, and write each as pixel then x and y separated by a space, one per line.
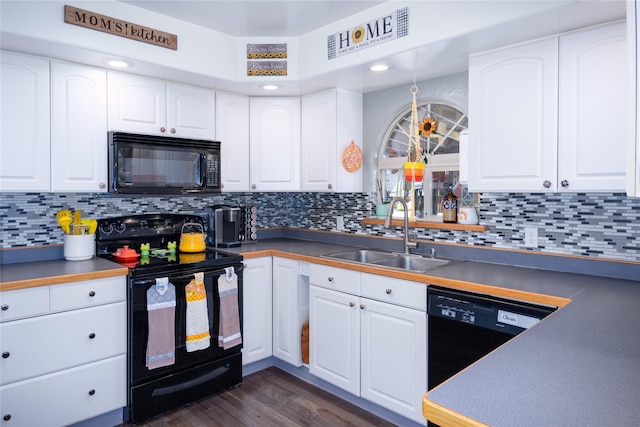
pixel 158 231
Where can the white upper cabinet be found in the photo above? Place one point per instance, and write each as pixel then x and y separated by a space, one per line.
pixel 331 120
pixel 78 128
pixel 25 134
pixel 532 110
pixel 594 92
pixel 150 106
pixel 633 34
pixel 513 117
pixel 274 144
pixel 232 130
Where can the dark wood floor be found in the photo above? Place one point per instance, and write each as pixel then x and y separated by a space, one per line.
pixel 268 398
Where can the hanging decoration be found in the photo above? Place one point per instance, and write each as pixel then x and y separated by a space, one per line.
pixel 414 167
pixel 352 158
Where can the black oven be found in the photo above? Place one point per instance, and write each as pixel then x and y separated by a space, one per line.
pixel 160 291
pixel 150 164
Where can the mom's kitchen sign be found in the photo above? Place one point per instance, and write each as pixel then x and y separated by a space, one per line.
pixel 118 27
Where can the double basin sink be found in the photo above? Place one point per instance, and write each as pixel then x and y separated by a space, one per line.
pixel 397 261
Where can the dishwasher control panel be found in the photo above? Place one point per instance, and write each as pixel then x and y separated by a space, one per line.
pixel 484 311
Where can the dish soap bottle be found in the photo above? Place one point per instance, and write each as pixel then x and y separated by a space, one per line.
pixel 450 207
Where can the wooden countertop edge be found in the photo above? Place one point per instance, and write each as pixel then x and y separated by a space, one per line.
pixel 445 417
pixel 427 224
pixel 56 280
pixel 532 297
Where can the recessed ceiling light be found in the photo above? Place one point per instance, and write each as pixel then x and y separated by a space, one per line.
pixel 379 67
pixel 270 87
pixel 119 63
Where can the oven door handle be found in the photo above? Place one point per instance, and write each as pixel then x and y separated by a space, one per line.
pixel 149 282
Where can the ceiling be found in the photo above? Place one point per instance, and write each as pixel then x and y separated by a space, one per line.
pixel 258 18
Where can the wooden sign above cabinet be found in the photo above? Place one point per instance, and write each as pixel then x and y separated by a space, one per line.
pixel 95 21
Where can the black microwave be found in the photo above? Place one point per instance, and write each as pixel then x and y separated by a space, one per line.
pixel 150 164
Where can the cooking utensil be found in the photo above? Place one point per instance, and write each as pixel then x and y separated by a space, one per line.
pixel 77 222
pixel 65 222
pixel 192 241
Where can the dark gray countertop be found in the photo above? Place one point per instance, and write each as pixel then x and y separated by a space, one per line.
pixel 578 367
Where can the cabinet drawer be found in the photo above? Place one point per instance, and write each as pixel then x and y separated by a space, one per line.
pixel 66 397
pixel 335 278
pixel 24 303
pixel 45 344
pixel 87 293
pixel 394 291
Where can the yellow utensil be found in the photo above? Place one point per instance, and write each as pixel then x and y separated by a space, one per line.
pixel 65 222
pixel 92 224
pixel 62 213
pixel 77 222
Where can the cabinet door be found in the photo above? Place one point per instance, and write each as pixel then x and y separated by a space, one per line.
pixel 319 145
pixel 394 357
pixel 256 310
pixel 25 149
pixel 190 112
pixel 66 397
pixel 633 40
pixel 594 90
pixel 78 128
pixel 274 144
pixel 290 310
pixel 513 118
pixel 137 104
pixel 334 338
pixel 232 130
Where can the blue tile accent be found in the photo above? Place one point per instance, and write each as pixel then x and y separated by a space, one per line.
pixel 592 225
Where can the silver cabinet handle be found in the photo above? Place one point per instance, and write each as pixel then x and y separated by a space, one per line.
pixel 173 130
pixel 92 392
pixel 546 184
pixel 361 306
pixel 102 185
pixel 253 186
pixel 5 307
pixel 329 186
pixel 330 279
pixel 351 304
pixel 388 291
pixel 564 183
pixel 92 294
pixel 92 336
pixel 163 129
pixel 6 417
pixel 5 354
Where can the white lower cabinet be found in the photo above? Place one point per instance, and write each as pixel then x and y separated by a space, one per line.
pixel 370 340
pixel 290 309
pixel 256 310
pixel 64 360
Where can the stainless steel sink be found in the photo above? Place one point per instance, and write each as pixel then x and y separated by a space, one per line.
pixel 364 256
pixel 412 262
pixel 397 261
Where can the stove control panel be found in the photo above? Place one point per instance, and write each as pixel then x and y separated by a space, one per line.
pixel 143 226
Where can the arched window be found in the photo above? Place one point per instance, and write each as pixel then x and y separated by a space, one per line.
pixel 442 170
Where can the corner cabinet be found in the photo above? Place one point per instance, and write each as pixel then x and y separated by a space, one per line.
pixel 290 309
pixel 25 132
pixel 274 150
pixel 73 366
pixel 368 336
pixel 633 34
pixel 331 120
pixel 150 106
pixel 78 128
pixel 256 310
pixel 532 107
pixel 232 130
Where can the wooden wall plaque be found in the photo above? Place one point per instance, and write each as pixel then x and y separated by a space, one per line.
pixel 118 27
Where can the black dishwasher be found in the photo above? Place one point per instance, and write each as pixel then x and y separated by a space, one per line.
pixel 464 326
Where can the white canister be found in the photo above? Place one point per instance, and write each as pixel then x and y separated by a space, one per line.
pixel 467 215
pixel 79 247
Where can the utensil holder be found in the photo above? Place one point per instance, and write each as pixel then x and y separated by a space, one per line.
pixel 79 247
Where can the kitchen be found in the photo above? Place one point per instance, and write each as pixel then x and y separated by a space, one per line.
pixel 28 221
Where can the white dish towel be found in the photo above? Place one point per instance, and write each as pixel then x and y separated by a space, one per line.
pixel 198 337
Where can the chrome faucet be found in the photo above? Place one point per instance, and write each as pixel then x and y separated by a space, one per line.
pixel 387 223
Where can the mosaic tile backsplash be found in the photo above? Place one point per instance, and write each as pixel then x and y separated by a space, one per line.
pixel 604 226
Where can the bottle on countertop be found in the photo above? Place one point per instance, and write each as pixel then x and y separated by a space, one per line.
pixel 450 207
